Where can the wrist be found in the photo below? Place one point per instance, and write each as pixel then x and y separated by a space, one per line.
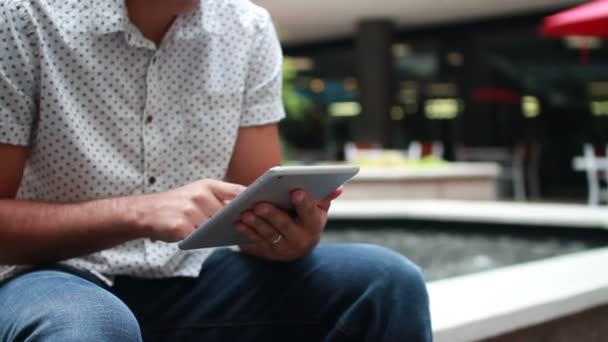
pixel 133 211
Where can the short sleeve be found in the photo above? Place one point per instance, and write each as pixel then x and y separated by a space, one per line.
pixel 262 102
pixel 18 75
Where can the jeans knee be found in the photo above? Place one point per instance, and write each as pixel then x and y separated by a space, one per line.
pixel 384 294
pixel 370 270
pixel 392 273
pixel 105 318
pixel 107 324
pixel 72 309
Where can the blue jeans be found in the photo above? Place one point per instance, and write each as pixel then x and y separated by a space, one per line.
pixel 344 292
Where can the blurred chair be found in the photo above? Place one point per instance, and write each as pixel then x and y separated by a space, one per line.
pixel 532 157
pixel 354 151
pixel 596 169
pixel 520 165
pixel 418 150
pixel 414 150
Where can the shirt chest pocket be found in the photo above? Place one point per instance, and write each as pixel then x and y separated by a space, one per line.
pixel 212 120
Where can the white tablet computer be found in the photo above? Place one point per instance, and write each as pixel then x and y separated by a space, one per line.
pixel 273 187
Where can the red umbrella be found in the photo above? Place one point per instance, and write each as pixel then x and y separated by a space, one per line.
pixel 590 19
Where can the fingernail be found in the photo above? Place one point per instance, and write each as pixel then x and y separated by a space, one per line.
pixel 299 197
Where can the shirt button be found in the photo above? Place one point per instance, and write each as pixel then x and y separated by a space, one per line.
pixel 151 180
pixel 149 119
pixel 153 60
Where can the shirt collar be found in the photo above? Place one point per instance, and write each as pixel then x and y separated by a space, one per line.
pixel 111 16
pixel 201 21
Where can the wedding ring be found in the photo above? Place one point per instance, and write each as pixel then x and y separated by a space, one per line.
pixel 277 239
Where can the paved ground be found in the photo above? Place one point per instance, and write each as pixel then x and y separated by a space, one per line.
pixel 443 254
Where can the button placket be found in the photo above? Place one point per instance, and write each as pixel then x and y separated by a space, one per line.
pixel 148 129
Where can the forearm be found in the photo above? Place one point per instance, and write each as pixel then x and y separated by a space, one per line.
pixel 33 232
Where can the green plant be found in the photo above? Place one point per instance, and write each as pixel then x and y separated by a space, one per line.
pixel 296 105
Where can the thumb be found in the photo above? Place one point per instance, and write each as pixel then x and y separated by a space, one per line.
pixel 225 191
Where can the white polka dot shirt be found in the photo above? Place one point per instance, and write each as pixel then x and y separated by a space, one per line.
pixel 108 113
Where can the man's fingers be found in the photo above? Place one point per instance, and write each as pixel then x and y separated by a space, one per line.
pixel 334 194
pixel 260 226
pixel 279 219
pixel 249 233
pixel 212 206
pixel 306 208
pixel 214 195
pixel 326 202
pixel 197 216
pixel 224 190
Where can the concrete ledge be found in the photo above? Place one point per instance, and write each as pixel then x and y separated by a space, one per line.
pixel 462 181
pixel 555 215
pixel 478 306
pixel 447 170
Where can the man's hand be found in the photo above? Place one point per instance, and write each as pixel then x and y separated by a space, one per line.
pixel 172 215
pixel 280 237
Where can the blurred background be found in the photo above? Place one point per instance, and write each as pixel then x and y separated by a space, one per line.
pixel 475 79
pixel 481 129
